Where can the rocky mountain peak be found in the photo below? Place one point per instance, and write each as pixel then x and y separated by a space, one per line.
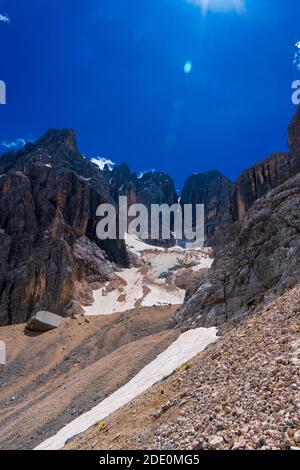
pixel 59 137
pixel 122 177
pixel 56 148
pixel 157 188
pixel 50 255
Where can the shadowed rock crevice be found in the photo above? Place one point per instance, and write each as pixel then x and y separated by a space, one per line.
pixel 211 189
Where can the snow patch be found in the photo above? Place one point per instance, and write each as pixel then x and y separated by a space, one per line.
pixel 158 295
pixel 84 179
pixel 183 349
pixel 106 301
pixel 102 161
pixel 136 245
pixel 131 291
pixel 151 284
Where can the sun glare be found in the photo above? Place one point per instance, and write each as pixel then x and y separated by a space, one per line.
pixel 219 5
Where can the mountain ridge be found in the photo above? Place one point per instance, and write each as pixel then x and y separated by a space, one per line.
pixel 49 194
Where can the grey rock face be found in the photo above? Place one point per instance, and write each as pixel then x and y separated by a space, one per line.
pixel 44 321
pixel 294 134
pixel 50 256
pixel 211 189
pixel 151 188
pixel 261 260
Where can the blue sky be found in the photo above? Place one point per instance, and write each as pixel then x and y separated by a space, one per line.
pixel 115 70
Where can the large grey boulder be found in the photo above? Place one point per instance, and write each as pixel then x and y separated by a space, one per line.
pixel 44 321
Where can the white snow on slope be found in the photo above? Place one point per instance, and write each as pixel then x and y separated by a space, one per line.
pixel 108 301
pixel 102 161
pixel 163 258
pixel 136 245
pixel 158 295
pixel 183 349
pixel 164 261
pixel 152 283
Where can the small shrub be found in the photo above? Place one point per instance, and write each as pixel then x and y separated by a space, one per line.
pixel 226 354
pixel 161 390
pixel 102 426
pixel 257 339
pixel 185 366
pixel 297 328
pixel 70 447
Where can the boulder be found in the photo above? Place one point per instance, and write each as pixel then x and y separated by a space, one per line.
pixel 44 321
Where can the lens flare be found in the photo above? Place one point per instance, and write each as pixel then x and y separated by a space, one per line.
pixel 188 66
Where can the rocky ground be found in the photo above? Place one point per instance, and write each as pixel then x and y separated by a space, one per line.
pixel 51 378
pixel 242 392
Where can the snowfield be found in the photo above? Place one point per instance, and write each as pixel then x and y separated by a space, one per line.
pixel 151 284
pixel 134 292
pixel 183 349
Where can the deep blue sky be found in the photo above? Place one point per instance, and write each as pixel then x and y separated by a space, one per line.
pixel 114 71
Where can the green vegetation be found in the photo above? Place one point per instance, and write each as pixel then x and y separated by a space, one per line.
pixel 297 328
pixel 102 426
pixel 185 366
